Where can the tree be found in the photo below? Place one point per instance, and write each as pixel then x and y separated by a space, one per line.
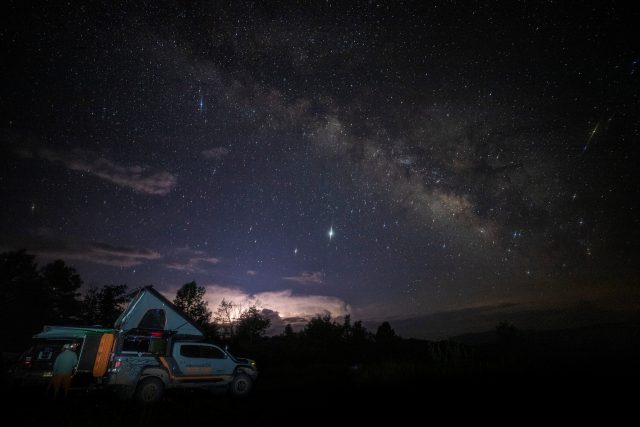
pixel 190 299
pixel 385 334
pixel 252 325
pixel 89 311
pixel 507 333
pixel 111 301
pixel 225 317
pixel 103 306
pixel 212 331
pixel 358 333
pixel 62 283
pixel 347 328
pixel 322 329
pixel 24 302
pixel 288 331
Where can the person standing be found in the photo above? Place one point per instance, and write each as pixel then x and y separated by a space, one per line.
pixel 63 369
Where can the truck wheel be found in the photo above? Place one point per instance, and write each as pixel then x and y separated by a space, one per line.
pixel 240 385
pixel 149 391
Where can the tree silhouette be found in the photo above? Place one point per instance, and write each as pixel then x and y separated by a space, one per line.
pixel 212 331
pixel 358 333
pixel 89 311
pixel 103 306
pixel 323 335
pixel 62 283
pixel 347 329
pixel 190 299
pixel 288 331
pixel 385 334
pixel 507 333
pixel 252 325
pixel 225 317
pixel 24 302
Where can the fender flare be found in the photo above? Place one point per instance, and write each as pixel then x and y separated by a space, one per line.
pixel 157 372
pixel 244 369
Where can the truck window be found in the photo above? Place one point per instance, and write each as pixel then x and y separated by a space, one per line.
pixel 144 344
pixel 190 351
pixel 201 351
pixel 211 352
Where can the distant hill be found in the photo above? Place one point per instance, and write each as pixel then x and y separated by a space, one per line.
pixel 603 350
pixel 470 322
pixel 626 334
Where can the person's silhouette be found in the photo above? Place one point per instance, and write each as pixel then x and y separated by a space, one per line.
pixel 63 369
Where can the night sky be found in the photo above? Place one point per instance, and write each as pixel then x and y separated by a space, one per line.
pixel 442 165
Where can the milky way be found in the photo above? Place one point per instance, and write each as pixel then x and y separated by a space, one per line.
pixel 388 161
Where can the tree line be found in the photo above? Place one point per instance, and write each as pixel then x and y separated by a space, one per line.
pixel 32 296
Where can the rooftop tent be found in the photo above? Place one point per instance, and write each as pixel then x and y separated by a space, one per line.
pixel 148 309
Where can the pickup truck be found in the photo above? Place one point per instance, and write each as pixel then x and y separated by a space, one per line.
pixel 144 365
pixel 139 364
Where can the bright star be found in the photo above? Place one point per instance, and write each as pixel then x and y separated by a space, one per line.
pixel 331 233
pixel 295 251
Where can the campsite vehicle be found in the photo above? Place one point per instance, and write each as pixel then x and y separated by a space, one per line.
pixel 152 347
pixel 35 365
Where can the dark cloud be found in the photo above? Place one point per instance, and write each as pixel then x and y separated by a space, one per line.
pixel 307 278
pixel 138 178
pixel 215 152
pixel 93 252
pixel 190 260
pixel 194 264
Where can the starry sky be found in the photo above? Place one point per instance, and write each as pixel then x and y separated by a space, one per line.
pixel 443 165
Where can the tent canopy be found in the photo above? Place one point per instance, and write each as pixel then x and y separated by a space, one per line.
pixel 148 309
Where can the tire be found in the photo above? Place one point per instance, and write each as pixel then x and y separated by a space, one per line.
pixel 149 391
pixel 240 385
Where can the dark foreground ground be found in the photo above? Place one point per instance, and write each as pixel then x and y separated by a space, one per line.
pixel 589 375
pixel 341 399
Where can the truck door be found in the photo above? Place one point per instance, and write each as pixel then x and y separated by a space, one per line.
pixel 220 362
pixel 191 361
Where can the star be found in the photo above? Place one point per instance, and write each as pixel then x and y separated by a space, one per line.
pixel 295 251
pixel 331 233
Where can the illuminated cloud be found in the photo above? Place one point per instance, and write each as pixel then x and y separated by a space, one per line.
pixel 284 302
